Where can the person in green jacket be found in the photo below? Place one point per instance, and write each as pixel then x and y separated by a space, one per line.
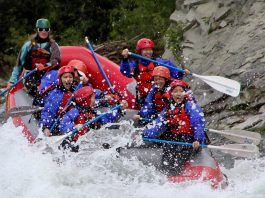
pixel 40 52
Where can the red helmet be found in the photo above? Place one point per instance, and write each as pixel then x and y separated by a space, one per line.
pixel 181 83
pixel 161 71
pixel 63 70
pixel 144 43
pixel 79 65
pixel 83 96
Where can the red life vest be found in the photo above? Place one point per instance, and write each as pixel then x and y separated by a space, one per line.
pixel 64 101
pixel 158 100
pixel 144 78
pixel 84 117
pixel 37 55
pixel 46 91
pixel 179 121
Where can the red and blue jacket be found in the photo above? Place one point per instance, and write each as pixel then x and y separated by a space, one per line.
pixel 57 97
pixel 141 71
pixel 186 119
pixel 154 102
pixel 49 82
pixel 77 115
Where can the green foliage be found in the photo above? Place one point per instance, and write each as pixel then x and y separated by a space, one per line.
pixel 174 36
pixel 71 21
pixel 134 19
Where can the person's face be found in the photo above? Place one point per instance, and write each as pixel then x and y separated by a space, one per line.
pixel 147 52
pixel 159 82
pixel 43 32
pixel 178 94
pixel 67 80
pixel 78 75
pixel 93 100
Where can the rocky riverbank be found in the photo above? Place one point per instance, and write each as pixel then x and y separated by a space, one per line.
pixel 226 38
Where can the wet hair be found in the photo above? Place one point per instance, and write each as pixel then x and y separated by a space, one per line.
pixel 34 38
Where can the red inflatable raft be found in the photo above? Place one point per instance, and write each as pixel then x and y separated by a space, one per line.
pixel 203 167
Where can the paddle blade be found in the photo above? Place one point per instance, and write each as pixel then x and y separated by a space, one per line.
pixel 224 85
pixel 58 139
pixel 240 150
pixel 20 111
pixel 242 136
pixel 239 136
pixel 23 111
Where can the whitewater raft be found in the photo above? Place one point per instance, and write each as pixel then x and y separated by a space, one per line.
pixel 203 167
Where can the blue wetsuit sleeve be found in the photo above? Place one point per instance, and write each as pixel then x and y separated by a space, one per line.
pixel 197 120
pixel 67 122
pixel 148 108
pixel 20 62
pixel 48 114
pixel 50 78
pixel 127 68
pixel 159 126
pixel 110 117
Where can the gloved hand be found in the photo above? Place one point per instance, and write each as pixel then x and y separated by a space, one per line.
pixel 125 53
pixel 136 118
pixel 124 104
pixel 40 66
pixel 9 84
pixel 112 98
pixel 78 126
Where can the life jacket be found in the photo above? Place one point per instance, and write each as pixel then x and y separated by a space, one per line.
pixel 46 91
pixel 179 121
pixel 63 103
pixel 84 117
pixel 159 99
pixel 37 55
pixel 143 77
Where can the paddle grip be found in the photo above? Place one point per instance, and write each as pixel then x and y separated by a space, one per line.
pixel 156 62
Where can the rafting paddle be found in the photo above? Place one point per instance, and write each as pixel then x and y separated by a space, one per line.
pixel 57 139
pixel 224 85
pixel 20 111
pixel 239 150
pixel 99 65
pixel 239 136
pixel 21 79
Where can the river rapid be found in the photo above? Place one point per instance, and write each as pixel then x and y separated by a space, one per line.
pixel 32 171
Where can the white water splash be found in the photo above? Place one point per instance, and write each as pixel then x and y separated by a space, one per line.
pixel 94 172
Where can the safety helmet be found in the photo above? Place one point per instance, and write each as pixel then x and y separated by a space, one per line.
pixel 144 43
pixel 63 70
pixel 43 23
pixel 79 65
pixel 83 96
pixel 161 72
pixel 180 83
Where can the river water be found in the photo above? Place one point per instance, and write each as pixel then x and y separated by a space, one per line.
pixel 29 171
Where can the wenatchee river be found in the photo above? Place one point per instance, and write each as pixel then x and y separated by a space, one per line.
pixel 31 171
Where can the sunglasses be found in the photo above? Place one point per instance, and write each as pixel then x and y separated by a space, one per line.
pixel 43 29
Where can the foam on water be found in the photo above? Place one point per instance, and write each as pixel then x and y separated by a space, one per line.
pixel 26 171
